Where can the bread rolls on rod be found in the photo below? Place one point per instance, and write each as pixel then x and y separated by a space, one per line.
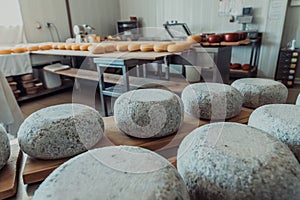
pixel 147 47
pixel 162 46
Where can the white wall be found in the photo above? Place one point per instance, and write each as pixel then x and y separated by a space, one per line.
pixel 101 14
pixel 43 11
pixel 202 16
pixel 292 30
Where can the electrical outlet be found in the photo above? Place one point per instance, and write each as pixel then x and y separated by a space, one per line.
pixel 38 25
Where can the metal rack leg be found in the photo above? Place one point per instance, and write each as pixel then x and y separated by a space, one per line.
pixel 125 77
pixel 167 63
pixel 101 88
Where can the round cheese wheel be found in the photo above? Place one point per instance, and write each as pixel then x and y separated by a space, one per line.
pixel 148 113
pixel 122 47
pixel 194 38
pixel 60 131
pixel 175 48
pixel 236 161
pixel 115 172
pixel 62 46
pixel 5 51
pixel 84 47
pixel 97 49
pixel 4 147
pixel 45 47
pixel 33 48
pixel 162 46
pixel 55 46
pixel 146 47
pixel 19 50
pixel 109 48
pixel 134 47
pixel 75 47
pixel 69 46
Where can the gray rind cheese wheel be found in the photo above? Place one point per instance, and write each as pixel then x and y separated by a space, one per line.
pixel 60 131
pixel 236 161
pixel 259 91
pixel 148 113
pixel 212 101
pixel 116 172
pixel 280 120
pixel 298 100
pixel 4 147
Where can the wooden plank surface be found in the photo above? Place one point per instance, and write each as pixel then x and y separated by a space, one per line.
pixel 10 173
pixel 176 85
pixel 115 55
pixel 37 170
pixel 223 43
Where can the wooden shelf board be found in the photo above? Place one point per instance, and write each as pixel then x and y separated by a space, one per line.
pixel 37 170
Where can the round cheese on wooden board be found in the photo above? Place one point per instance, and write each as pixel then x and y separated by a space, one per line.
pixel 4 147
pixel 235 161
pixel 60 131
pixel 148 113
pixel 116 172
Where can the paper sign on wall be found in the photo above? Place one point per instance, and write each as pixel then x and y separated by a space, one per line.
pixel 230 7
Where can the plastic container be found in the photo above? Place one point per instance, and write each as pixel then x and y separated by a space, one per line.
pixel 51 80
pixel 192 74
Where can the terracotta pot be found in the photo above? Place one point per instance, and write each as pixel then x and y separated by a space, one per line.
pixel 231 37
pixel 214 38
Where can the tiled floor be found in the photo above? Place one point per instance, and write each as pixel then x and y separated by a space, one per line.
pixel 91 97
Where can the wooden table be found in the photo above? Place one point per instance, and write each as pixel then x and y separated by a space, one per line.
pixel 10 173
pixel 37 170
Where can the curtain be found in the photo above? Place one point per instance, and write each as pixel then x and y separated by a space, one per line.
pixel 11 23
